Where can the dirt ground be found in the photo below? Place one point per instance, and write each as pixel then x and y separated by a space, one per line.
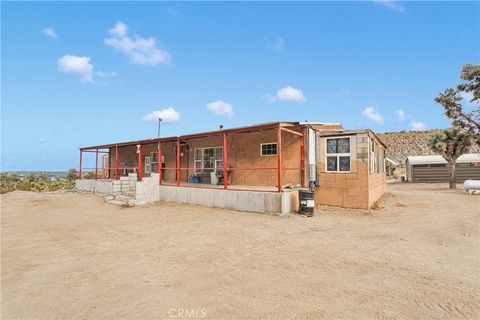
pixel 67 255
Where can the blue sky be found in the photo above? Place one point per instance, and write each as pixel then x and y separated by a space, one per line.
pixel 86 73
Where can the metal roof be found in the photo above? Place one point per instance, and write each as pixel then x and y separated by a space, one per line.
pixel 465 158
pixel 243 129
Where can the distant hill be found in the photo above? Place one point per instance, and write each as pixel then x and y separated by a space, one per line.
pixel 409 143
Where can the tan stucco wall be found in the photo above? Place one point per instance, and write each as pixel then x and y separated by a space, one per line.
pixel 349 190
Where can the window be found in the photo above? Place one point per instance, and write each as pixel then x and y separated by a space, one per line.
pixel 219 158
pixel 154 161
pixel 148 165
pixel 197 162
pixel 338 155
pixel 268 149
pixel 372 156
pixel 208 158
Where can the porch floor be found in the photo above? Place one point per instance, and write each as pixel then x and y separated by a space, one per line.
pixel 230 186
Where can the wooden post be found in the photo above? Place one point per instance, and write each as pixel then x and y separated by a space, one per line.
pixel 279 158
pixel 96 164
pixel 302 157
pixel 178 162
pixel 160 165
pixel 80 168
pixel 140 165
pixel 225 161
pixel 116 163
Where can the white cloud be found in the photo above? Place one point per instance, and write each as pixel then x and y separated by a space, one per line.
pixel 77 65
pixel 418 125
pixel 41 140
pixel 50 32
pixel 81 66
pixel 221 108
pixel 287 94
pixel 371 114
pixel 400 115
pixel 139 50
pixel 276 44
pixel 391 4
pixel 168 114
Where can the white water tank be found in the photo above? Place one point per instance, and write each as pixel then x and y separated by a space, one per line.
pixel 471 185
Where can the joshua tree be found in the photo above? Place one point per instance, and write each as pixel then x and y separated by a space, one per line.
pixel 451 101
pixel 450 144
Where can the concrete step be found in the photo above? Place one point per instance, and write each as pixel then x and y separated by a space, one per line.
pixel 117 202
pixel 123 198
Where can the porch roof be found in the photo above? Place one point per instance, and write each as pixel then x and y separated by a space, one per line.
pixel 243 129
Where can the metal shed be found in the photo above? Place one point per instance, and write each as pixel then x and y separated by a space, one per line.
pixel 435 169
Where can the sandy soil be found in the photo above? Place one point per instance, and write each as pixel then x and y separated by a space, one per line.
pixel 67 255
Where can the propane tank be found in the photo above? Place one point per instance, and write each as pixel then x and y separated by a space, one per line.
pixel 471 185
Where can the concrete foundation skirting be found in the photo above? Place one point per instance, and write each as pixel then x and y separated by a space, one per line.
pixel 252 201
pixel 148 191
pixel 96 186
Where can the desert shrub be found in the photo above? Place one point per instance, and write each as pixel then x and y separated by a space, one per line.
pixel 72 175
pixel 89 175
pixel 40 183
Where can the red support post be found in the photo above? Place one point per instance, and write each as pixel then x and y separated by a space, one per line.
pixel 116 163
pixel 178 162
pixel 140 165
pixel 96 164
pixel 279 158
pixel 160 163
pixel 302 157
pixel 225 161
pixel 80 168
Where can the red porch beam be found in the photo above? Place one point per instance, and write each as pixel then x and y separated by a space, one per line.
pixel 279 158
pixel 178 162
pixel 80 167
pixel 160 163
pixel 140 165
pixel 291 131
pixel 96 164
pixel 225 161
pixel 116 163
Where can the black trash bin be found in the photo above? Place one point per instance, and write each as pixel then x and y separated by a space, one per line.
pixel 307 202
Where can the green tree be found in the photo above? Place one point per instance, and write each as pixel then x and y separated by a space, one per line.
pixel 451 101
pixel 450 144
pixel 72 175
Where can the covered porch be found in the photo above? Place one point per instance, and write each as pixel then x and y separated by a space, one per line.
pixel 261 158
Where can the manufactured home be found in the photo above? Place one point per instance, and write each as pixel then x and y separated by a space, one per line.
pixel 253 168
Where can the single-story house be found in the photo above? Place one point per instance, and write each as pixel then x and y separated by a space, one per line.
pixel 435 169
pixel 252 168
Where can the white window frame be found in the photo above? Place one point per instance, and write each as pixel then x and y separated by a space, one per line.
pixel 268 155
pixel 148 164
pixel 338 155
pixel 215 167
pixel 371 157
